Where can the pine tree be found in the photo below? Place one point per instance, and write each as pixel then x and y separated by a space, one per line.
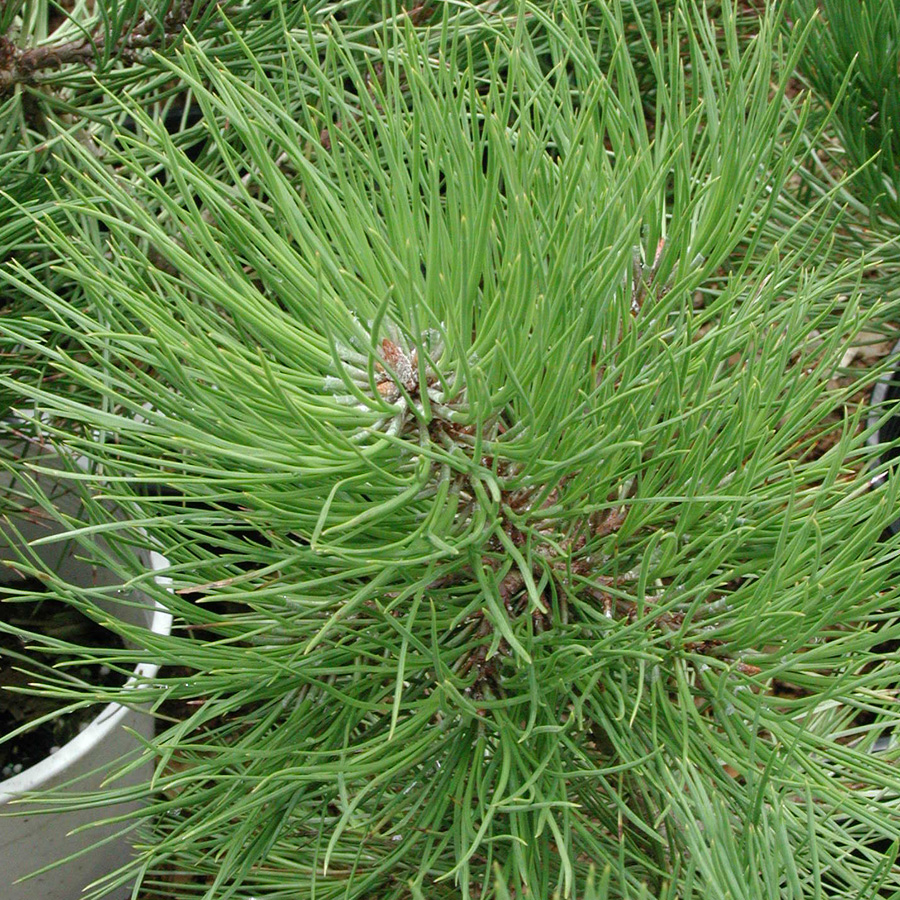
pixel 519 516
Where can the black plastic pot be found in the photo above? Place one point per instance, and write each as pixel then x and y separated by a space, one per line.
pixel 886 397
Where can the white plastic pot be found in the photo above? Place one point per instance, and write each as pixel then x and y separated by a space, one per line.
pixel 31 840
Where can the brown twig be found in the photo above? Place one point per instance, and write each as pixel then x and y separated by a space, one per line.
pixel 20 66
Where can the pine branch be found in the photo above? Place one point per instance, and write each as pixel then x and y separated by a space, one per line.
pixel 24 65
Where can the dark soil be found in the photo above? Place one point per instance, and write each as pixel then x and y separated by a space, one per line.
pixel 21 660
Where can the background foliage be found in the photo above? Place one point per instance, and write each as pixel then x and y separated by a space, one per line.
pixel 481 379
pixel 856 45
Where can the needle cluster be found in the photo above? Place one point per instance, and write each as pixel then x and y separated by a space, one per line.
pixel 521 531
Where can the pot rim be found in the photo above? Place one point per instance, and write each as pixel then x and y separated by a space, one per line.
pixel 107 720
pixel 879 393
pixel 876 411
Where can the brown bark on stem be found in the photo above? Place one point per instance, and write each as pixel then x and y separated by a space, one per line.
pixel 19 66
